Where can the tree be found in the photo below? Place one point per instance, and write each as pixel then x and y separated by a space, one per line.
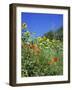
pixel 57 34
pixel 49 35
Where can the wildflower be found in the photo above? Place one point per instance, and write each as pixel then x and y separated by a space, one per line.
pixel 55 59
pixel 27 33
pixel 24 25
pixel 49 63
pixel 35 49
pixel 39 39
pixel 47 40
pixel 44 38
pixel 40 44
pixel 53 40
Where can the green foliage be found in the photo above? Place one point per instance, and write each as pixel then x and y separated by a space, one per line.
pixel 41 56
pixel 58 34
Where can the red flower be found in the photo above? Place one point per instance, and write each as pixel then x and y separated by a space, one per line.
pixel 55 59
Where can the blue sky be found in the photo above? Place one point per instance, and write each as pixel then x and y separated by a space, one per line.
pixel 41 23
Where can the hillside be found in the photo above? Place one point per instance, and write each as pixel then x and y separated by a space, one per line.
pixel 57 34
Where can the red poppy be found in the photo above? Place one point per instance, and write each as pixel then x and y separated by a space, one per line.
pixel 55 59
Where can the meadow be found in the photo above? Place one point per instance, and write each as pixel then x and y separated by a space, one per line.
pixel 42 55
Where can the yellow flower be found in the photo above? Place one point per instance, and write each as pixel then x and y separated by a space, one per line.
pixel 39 39
pixel 24 25
pixel 44 38
pixel 53 40
pixel 47 40
pixel 40 44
